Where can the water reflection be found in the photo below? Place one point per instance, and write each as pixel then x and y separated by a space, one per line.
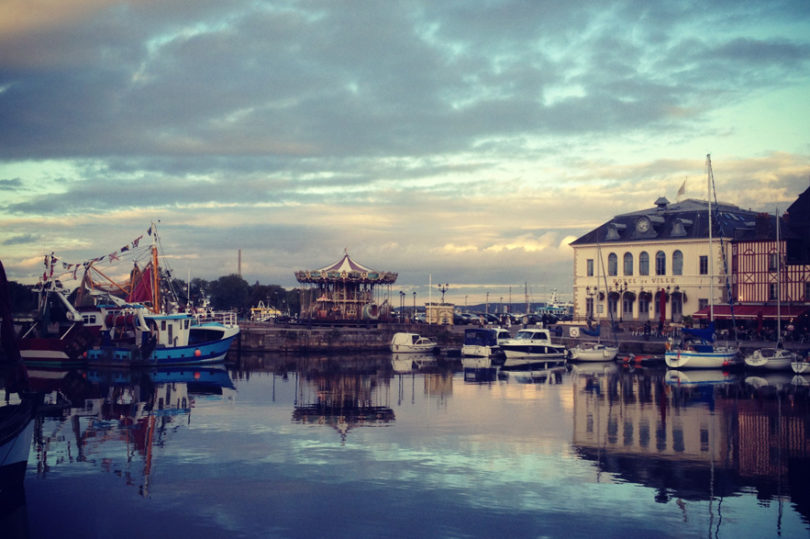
pixel 697 436
pixel 113 419
pixel 313 442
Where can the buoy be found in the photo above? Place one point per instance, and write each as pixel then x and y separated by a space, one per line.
pixel 197 374
pixel 197 353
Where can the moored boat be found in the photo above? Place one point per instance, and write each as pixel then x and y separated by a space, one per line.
pixel 801 365
pixel 531 346
pixel 697 349
pixel 594 352
pixel 412 343
pixel 774 358
pixel 484 342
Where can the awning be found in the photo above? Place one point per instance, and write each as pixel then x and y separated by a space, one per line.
pixel 752 312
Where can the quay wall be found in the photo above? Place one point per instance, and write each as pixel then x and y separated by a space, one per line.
pixel 301 339
pixel 298 339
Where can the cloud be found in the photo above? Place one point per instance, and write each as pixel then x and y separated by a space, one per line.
pixel 471 141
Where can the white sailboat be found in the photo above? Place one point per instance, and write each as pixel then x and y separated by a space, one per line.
pixel 774 357
pixel 703 354
pixel 596 351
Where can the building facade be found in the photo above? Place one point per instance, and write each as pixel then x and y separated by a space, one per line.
pixel 657 265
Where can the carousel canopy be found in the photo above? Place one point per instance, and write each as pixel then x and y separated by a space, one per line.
pixel 346 269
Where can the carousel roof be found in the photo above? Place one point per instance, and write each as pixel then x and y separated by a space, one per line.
pixel 346 269
pixel 346 264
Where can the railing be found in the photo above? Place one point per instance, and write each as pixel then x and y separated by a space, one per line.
pixel 226 318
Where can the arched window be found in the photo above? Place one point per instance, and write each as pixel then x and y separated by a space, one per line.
pixel 660 263
pixel 677 263
pixel 643 263
pixel 628 264
pixel 613 264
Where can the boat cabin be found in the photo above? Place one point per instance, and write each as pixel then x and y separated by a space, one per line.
pixel 485 336
pixel 169 330
pixel 543 335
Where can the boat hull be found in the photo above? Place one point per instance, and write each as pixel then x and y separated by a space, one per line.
pixel 800 366
pixel 689 359
pixel 598 353
pixel 532 355
pixel 770 359
pixel 196 354
pixel 16 433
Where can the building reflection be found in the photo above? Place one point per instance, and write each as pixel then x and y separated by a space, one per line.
pixel 115 418
pixel 702 436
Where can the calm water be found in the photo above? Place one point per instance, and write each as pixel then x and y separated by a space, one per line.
pixel 361 447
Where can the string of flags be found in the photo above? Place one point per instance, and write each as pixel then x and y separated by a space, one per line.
pixel 51 260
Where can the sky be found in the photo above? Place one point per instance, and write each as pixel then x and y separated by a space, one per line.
pixel 457 142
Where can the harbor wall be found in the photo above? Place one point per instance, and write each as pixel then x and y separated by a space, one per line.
pixel 301 339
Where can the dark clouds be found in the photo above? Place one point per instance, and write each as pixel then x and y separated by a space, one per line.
pixel 294 127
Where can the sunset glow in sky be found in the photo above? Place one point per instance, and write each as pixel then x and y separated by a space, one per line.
pixel 463 142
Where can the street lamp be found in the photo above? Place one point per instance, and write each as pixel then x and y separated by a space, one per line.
pixel 401 305
pixel 414 306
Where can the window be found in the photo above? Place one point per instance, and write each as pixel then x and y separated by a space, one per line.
pixel 660 263
pixel 612 304
pixel 628 264
pixel 704 265
pixel 627 306
pixel 613 263
pixel 589 307
pixel 806 291
pixel 772 291
pixel 677 263
pixel 643 306
pixel 589 263
pixel 644 263
pixel 703 303
pixel 772 261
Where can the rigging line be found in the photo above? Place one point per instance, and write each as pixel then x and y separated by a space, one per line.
pixel 721 232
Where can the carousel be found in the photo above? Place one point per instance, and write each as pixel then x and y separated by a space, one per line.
pixel 345 291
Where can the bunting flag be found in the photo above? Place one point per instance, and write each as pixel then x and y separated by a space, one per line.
pixel 50 260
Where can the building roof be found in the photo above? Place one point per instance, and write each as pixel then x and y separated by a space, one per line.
pixel 666 221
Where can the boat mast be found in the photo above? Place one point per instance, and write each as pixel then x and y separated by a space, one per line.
pixel 155 276
pixel 778 284
pixel 709 183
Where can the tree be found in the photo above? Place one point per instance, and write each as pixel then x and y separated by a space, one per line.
pixel 230 292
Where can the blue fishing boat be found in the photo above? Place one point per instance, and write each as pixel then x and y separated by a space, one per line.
pixel 161 340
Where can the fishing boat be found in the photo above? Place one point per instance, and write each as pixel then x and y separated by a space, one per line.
pixel 484 342
pixel 530 346
pixel 146 330
pixel 775 358
pixel 57 335
pixel 412 343
pixel 697 349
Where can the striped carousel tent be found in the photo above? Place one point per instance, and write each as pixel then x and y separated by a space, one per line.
pixel 344 291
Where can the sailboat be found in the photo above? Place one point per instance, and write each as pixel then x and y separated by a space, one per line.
pixel 697 350
pixel 774 357
pixel 595 351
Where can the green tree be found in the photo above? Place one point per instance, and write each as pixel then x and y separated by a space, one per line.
pixel 230 292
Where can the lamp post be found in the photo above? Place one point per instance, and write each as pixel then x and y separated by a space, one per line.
pixel 401 305
pixel 414 306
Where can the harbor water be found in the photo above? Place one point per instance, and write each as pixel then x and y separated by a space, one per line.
pixel 382 446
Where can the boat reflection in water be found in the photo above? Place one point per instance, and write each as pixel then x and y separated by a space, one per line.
pixel 697 441
pixel 117 417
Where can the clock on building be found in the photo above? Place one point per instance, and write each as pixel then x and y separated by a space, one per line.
pixel 643 225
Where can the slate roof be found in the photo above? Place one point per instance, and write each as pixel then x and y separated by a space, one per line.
pixel 683 220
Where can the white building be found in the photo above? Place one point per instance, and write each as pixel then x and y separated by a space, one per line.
pixel 656 264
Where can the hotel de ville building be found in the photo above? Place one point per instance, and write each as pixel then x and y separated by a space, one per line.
pixel 659 265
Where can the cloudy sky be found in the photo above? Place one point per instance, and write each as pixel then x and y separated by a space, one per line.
pixel 466 142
